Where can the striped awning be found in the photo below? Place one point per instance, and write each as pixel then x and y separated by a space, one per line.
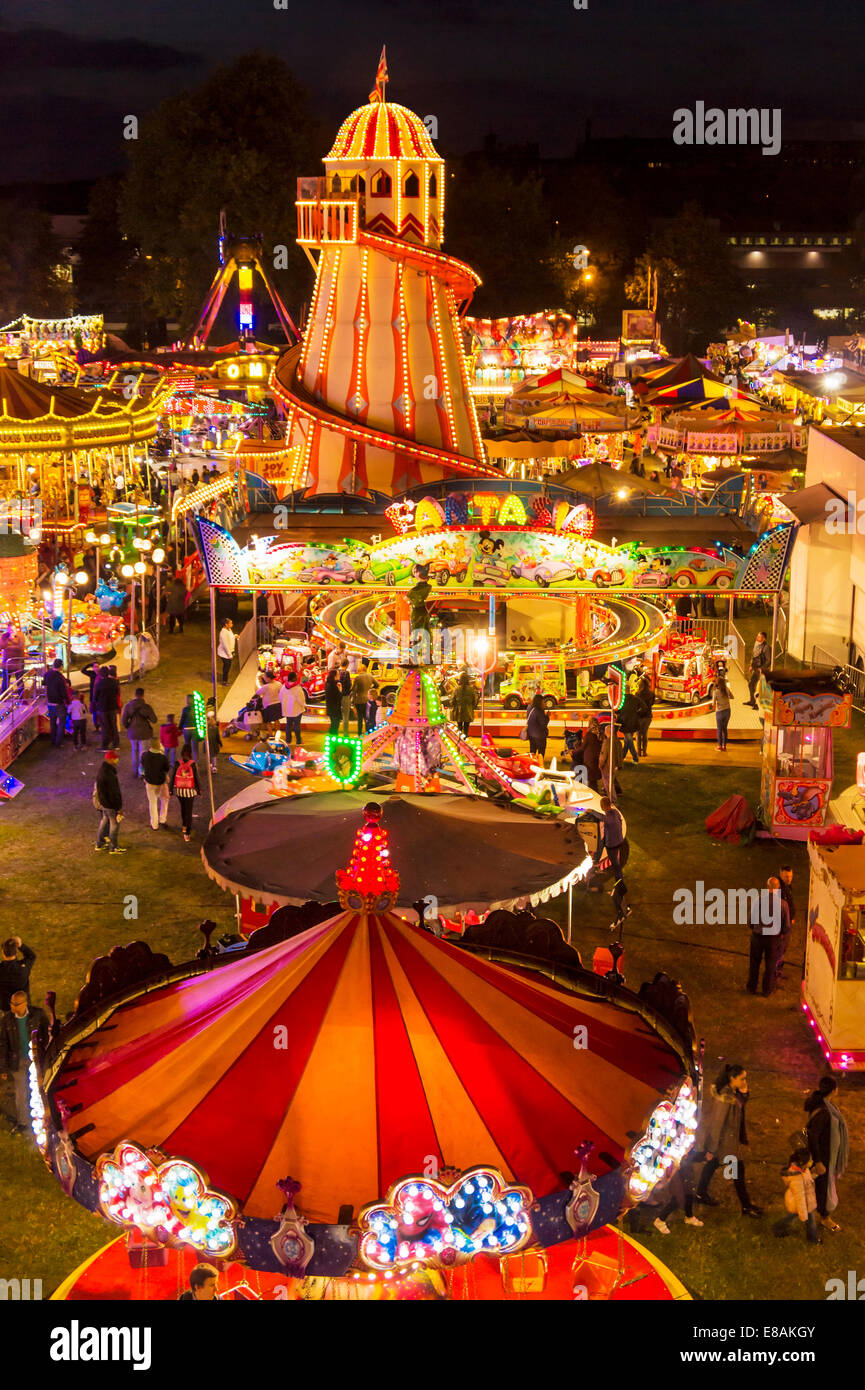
pixel 356 1054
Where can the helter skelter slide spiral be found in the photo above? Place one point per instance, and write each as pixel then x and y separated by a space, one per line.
pixel 377 393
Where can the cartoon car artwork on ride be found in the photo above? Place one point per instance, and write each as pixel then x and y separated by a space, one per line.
pixel 450 560
pixel 544 572
pixel 601 578
pixel 702 572
pixel 493 572
pixel 652 579
pixel 470 556
pixel 336 569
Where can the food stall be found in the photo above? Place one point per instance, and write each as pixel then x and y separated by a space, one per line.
pixel 802 709
pixel 833 990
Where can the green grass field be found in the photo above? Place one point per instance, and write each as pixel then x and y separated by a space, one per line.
pixel 68 903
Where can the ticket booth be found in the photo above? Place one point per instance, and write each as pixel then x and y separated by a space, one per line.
pixel 797 766
pixel 833 991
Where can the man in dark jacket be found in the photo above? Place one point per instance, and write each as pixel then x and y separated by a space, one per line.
pixel 785 882
pixel 176 604
pixel 16 1029
pixel 14 973
pixel 628 722
pixel 139 721
pixel 57 696
pixel 106 699
pixel 109 802
pixel 758 664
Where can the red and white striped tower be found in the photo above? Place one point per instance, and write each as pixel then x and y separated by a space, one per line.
pixel 377 393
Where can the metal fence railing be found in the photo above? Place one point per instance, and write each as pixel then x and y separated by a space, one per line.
pixel 852 676
pixel 18 702
pixel 712 630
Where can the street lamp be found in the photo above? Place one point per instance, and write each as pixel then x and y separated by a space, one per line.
pixel 158 558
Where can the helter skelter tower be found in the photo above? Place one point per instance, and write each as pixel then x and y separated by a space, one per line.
pixel 377 393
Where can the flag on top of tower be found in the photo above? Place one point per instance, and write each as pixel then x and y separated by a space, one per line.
pixel 377 93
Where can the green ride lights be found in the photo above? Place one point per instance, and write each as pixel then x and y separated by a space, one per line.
pixel 347 743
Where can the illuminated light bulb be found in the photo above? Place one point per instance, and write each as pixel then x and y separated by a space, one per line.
pixel 127 571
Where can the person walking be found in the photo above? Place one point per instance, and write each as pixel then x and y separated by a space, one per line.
pixel 107 701
pixel 613 841
pixel 16 1031
pixel 758 664
pixel 187 728
pixel 628 724
pixel 721 706
pixel 226 648
pixel 679 1195
pixel 169 737
pixel 333 700
pixel 293 704
pixel 57 698
pixel 78 716
pixel 800 1198
pixel 646 696
pixel 214 738
pixel 359 696
pixel 94 675
pixel 723 1135
pixel 139 721
pixel 186 787
pixel 766 936
pixel 176 603
pixel 593 743
pixel 345 696
pixel 154 766
pixel 829 1147
pixel 464 702
pixel 537 725
pixel 14 973
pixel 785 880
pixel 108 800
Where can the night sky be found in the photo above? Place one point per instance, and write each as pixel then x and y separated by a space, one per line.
pixel 529 71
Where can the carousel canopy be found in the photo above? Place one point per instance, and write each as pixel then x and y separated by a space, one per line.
pixel 39 419
pixel 570 415
pixel 469 851
pixel 399 1048
pixel 520 443
pixel 600 480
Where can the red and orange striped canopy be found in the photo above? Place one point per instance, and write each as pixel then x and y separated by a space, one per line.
pixel 351 1056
